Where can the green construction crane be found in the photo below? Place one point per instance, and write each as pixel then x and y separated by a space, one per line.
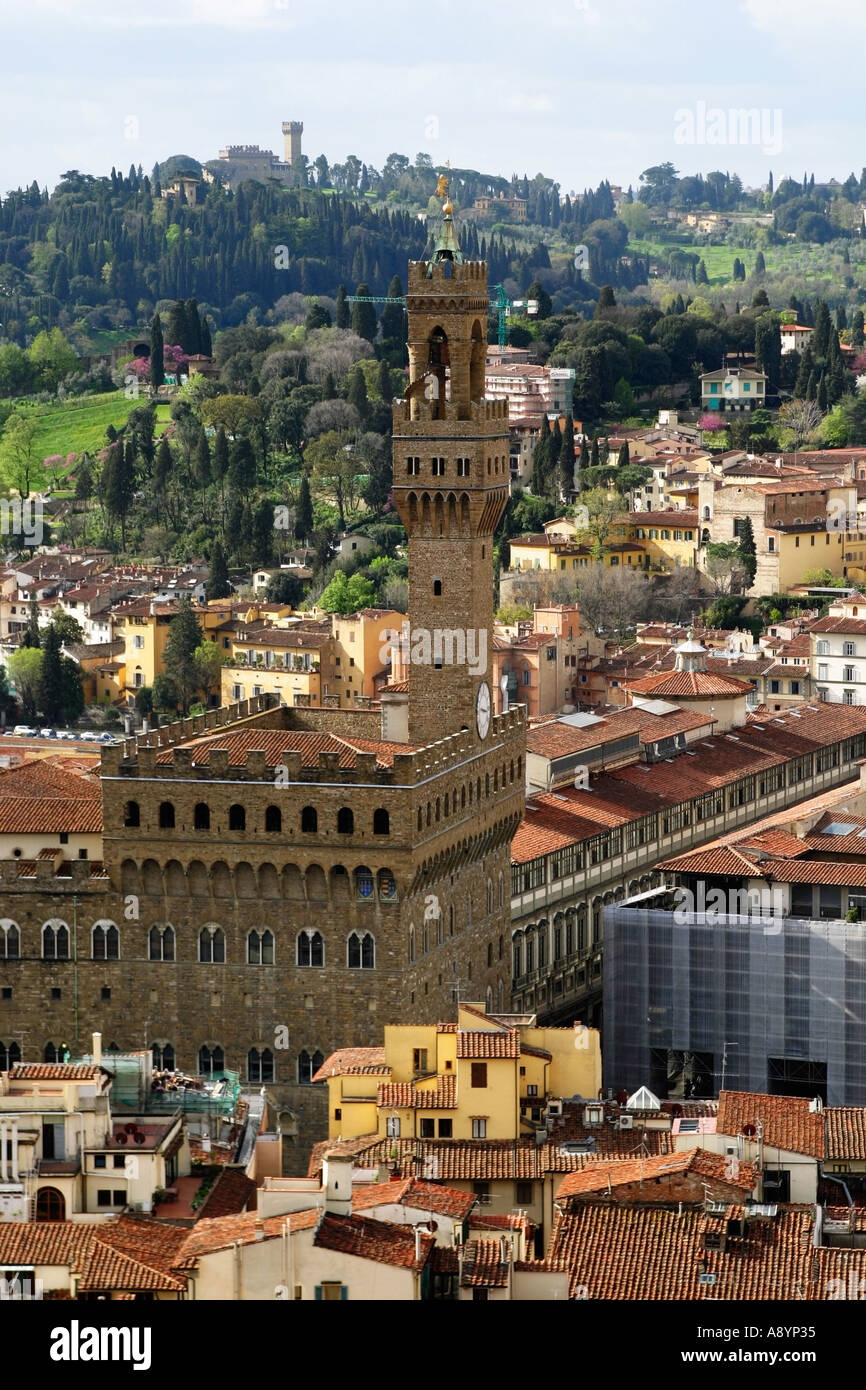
pixel 501 304
pixel 375 299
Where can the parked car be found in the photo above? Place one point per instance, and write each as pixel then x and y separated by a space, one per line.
pixel 24 731
pixel 47 733
pixel 66 734
pixel 88 738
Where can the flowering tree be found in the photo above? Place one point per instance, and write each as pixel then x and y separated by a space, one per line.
pixel 52 465
pixel 175 359
pixel 711 423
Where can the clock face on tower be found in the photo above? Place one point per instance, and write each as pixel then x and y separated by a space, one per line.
pixel 482 709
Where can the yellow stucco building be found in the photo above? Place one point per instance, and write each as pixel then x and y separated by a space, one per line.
pixel 484 1077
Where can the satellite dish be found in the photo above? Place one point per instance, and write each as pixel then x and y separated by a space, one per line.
pixel 749 1131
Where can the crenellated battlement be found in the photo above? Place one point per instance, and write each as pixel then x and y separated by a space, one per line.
pixel 138 758
pixel 418 418
pixel 427 275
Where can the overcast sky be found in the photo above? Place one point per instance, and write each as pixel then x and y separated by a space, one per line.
pixel 579 90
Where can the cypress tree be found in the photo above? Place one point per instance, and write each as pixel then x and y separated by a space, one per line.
pixel 218 585
pixel 807 364
pixel 748 554
pixel 157 357
pixel 242 466
pixel 220 460
pixel 386 388
pixel 184 635
pixel 540 460
pixel 857 329
pixel 192 341
pixel 304 512
pixel 32 636
pixel 205 338
pixel 623 458
pixel 342 317
pixel 566 460
pixel 594 460
pixel 364 316
pixel 393 314
pixel 176 326
pixel 357 393
pixel 820 341
pixel 50 696
pixel 201 463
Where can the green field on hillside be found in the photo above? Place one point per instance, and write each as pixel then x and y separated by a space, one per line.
pixel 78 425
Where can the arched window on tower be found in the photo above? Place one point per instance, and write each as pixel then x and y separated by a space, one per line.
pixel 212 946
pixel 211 1060
pixel 260 948
pixel 260 1066
pixel 361 951
pixel 310 948
pixel 309 1062
pixel 105 941
pixel 201 816
pixel 160 943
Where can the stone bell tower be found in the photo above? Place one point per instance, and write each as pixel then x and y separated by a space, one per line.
pixel 451 486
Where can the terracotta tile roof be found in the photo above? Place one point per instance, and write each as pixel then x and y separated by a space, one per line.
pixel 457 1160
pixel 483 1042
pixel 555 739
pixel 852 625
pixel 713 861
pixel 787 1120
pixel 527 1051
pixel 222 1232
pixel 407 1095
pixel 232 1193
pixel 670 684
pixel 367 1239
pixel 106 1256
pixel 636 790
pixel 510 1221
pixel 806 871
pixel 409 1192
pixel 54 1071
pixel 687 517
pixel 483 1265
pixel 613 1173
pixel 845 1131
pixel 444 1259
pixel 40 797
pixel 351 1061
pixel 275 743
pixel 625 1251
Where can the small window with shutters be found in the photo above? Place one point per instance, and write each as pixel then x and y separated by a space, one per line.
pixel 479 1074
pixel 331 1292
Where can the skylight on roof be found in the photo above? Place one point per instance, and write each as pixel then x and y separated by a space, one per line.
pixel 839 827
pixel 689 1126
